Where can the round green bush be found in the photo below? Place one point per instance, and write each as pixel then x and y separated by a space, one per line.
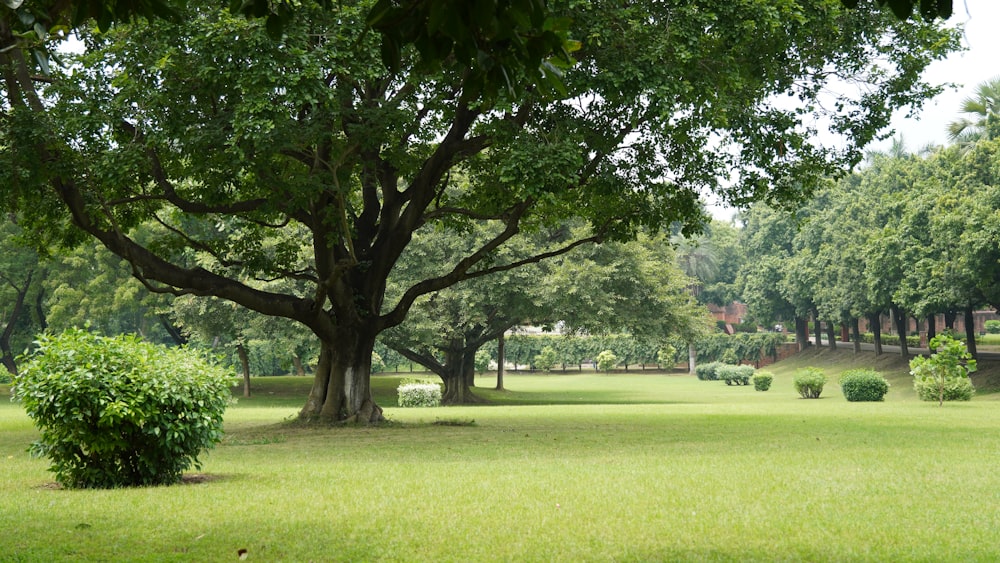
pixel 547 359
pixel 606 361
pixel 957 389
pixel 809 382
pixel 863 385
pixel 992 326
pixel 762 380
pixel 735 375
pixel 117 412
pixel 707 372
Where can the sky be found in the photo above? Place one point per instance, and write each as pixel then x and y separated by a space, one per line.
pixel 967 69
pixel 980 62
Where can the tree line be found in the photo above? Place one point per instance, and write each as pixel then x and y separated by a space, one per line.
pixel 911 235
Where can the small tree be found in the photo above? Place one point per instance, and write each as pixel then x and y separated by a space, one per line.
pixel 546 359
pixel 666 356
pixel 951 364
pixel 606 360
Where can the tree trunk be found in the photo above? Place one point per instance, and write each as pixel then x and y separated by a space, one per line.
pixel 455 374
pixel 949 319
pixel 241 351
pixel 970 331
pixel 8 331
pixel 876 323
pixel 501 360
pixel 341 390
pixel 901 318
pixel 299 368
pixel 692 358
pixel 856 334
pixel 831 335
pixel 931 327
pixel 802 333
pixel 817 328
pixel 43 322
pixel 469 367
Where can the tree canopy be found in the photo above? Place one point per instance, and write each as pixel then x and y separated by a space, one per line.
pixel 239 147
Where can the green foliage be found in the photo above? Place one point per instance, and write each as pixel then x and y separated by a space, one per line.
pixel 735 375
pixel 5 377
pixel 863 385
pixel 762 380
pixel 482 360
pixel 992 326
pixel 606 360
pixel 418 381
pixel 809 382
pixel 666 356
pixel 419 395
pixel 741 347
pixel 890 339
pixel 937 377
pixel 119 411
pixel 378 365
pixel 709 371
pixel 546 359
pixel 951 390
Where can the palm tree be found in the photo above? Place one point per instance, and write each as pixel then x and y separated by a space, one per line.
pixel 983 110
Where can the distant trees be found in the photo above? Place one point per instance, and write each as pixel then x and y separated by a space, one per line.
pixel 907 236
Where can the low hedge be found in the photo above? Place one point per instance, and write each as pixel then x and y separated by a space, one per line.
pixel 708 372
pixel 419 395
pixel 890 339
pixel 863 385
pixel 735 375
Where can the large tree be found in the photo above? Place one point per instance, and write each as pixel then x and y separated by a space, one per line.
pixel 240 146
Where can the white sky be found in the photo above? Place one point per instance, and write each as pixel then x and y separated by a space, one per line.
pixel 966 70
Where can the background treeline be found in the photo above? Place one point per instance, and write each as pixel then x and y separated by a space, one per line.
pixel 575 353
pixel 910 236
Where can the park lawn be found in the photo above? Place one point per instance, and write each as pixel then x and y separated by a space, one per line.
pixel 619 467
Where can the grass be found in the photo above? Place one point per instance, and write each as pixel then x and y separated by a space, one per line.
pixel 561 468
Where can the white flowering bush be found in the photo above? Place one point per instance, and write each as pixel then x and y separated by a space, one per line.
pixel 419 395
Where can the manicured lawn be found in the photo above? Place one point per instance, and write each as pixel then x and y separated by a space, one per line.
pixel 617 467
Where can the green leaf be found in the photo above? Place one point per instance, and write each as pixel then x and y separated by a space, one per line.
pixel 13 4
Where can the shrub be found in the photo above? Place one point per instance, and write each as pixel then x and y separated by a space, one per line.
pixel 993 327
pixel 606 360
pixel 707 372
pixel 957 389
pixel 762 380
pixel 378 364
pixel 863 385
pixel 944 376
pixel 809 382
pixel 546 359
pixel 419 395
pixel 5 377
pixel 117 412
pixel 735 375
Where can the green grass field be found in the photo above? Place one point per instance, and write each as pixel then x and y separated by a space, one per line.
pixel 623 467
